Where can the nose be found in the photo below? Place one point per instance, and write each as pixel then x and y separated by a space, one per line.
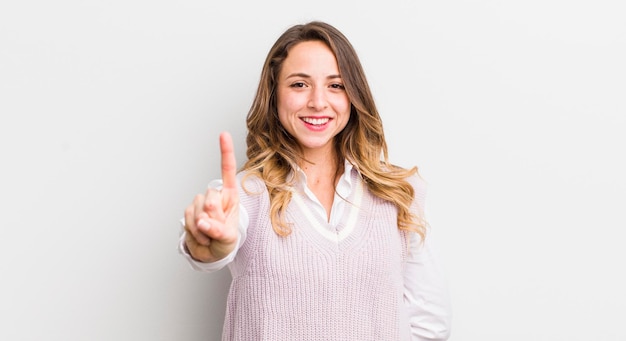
pixel 317 99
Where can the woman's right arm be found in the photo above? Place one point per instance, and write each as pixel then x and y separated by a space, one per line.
pixel 217 265
pixel 211 222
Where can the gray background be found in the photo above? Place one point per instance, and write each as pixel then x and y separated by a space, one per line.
pixel 110 110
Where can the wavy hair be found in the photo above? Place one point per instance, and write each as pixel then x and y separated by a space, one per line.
pixel 273 153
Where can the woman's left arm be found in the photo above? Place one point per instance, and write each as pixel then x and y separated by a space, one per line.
pixel 425 284
pixel 426 292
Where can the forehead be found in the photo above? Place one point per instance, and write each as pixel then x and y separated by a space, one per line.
pixel 311 56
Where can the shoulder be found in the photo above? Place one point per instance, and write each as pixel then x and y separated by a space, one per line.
pixel 418 183
pixel 420 188
pixel 250 184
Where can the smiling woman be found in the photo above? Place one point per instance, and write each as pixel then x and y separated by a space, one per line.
pixel 324 237
pixel 312 103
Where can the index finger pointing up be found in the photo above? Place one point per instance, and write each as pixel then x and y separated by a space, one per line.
pixel 229 164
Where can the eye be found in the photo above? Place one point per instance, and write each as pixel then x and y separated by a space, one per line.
pixel 298 85
pixel 338 86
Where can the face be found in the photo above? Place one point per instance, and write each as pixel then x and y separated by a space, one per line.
pixel 312 102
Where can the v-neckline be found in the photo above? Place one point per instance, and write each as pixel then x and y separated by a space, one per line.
pixel 347 222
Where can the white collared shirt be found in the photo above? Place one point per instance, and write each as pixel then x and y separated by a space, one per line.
pixel 425 288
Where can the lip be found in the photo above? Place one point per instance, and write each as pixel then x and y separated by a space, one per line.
pixel 316 123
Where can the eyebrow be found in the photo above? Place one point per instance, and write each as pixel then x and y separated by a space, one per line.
pixel 304 75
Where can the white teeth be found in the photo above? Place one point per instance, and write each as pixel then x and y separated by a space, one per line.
pixel 315 121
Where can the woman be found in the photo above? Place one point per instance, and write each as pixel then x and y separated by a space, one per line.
pixel 324 238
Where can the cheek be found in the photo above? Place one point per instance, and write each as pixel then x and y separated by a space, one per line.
pixel 283 110
pixel 346 111
pixel 342 105
pixel 289 103
pixel 282 118
pixel 286 110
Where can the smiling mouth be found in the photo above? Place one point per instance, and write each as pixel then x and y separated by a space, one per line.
pixel 315 121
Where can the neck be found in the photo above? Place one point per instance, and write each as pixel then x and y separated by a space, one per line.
pixel 320 164
pixel 321 170
pixel 324 161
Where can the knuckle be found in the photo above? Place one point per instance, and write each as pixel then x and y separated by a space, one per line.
pixel 199 239
pixel 209 206
pixel 190 241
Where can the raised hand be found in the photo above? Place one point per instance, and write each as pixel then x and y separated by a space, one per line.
pixel 211 221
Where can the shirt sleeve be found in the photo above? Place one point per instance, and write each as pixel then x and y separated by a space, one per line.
pixel 217 265
pixel 426 292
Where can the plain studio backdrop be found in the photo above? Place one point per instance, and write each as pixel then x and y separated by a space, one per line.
pixel 110 113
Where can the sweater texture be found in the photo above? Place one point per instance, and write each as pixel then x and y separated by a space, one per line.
pixel 341 283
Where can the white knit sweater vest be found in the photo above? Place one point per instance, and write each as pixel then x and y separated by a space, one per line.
pixel 319 283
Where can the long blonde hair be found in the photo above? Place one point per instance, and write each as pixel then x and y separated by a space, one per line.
pixel 273 153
